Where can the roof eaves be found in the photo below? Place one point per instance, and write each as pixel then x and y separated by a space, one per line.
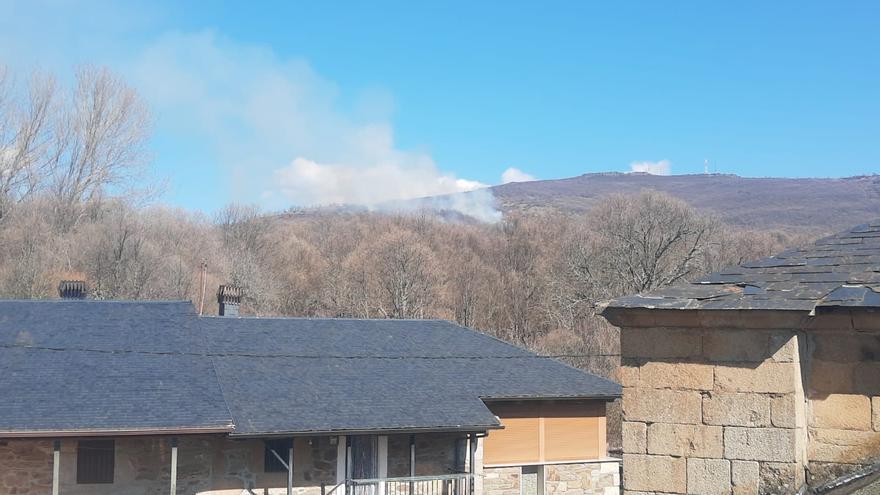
pixel 370 431
pixel 104 432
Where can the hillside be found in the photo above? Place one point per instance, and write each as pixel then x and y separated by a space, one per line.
pixel 823 204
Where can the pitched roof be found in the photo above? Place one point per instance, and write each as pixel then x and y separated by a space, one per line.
pixel 70 366
pixel 89 365
pixel 840 271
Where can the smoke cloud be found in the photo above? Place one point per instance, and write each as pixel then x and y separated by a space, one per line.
pixel 513 174
pixel 662 167
pixel 281 134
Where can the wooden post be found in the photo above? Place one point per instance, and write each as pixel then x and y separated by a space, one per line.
pixel 174 466
pixel 290 467
pixel 56 467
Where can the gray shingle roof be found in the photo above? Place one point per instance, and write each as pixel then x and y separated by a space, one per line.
pixel 840 271
pixel 49 386
pixel 87 365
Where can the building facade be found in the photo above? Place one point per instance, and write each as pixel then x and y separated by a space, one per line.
pixel 142 398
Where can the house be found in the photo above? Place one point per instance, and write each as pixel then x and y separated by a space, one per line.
pixel 129 397
pixel 763 378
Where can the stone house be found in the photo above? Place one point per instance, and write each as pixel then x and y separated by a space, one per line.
pixel 759 379
pixel 125 397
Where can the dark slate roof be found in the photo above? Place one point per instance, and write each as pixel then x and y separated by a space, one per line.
pixel 840 271
pixel 72 366
pixel 87 365
pixel 338 374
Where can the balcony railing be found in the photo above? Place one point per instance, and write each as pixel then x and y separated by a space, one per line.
pixel 448 484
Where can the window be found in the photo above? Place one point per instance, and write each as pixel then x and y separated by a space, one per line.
pixel 95 460
pixel 271 463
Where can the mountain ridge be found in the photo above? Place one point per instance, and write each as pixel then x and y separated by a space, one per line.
pixel 754 202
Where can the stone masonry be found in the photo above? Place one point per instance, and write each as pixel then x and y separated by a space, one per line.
pixel 713 409
pixel 587 478
pixel 25 467
pixel 843 385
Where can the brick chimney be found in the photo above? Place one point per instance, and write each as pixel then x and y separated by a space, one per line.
pixel 229 298
pixel 72 289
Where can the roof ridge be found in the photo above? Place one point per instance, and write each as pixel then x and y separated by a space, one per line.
pixel 323 318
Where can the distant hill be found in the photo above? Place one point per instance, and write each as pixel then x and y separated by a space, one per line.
pixel 821 204
pixel 809 206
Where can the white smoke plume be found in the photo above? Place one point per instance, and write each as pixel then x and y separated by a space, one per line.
pixel 513 174
pixel 662 167
pixel 280 135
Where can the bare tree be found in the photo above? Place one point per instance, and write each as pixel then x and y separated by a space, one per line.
pixel 518 260
pixel 24 136
pixel 98 142
pixel 639 243
pixel 405 272
pixel 243 227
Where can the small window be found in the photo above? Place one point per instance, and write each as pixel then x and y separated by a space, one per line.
pixel 271 463
pixel 95 460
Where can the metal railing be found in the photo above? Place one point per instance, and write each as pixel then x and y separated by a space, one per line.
pixel 447 484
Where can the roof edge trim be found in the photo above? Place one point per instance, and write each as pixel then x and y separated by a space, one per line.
pixel 114 432
pixel 368 431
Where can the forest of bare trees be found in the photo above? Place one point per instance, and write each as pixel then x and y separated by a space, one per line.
pixel 71 206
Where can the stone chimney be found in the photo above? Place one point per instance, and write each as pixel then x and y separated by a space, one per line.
pixel 72 289
pixel 229 298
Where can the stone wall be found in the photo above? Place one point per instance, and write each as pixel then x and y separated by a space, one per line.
pixel 586 478
pixel 502 480
pixel 747 411
pixel 843 388
pixel 25 467
pixel 712 411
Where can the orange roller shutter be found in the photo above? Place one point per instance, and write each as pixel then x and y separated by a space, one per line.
pixel 571 432
pixel 546 431
pixel 519 441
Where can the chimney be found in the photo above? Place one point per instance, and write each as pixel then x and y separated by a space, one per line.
pixel 229 297
pixel 72 289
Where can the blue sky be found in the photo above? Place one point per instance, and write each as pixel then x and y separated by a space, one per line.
pixel 315 102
